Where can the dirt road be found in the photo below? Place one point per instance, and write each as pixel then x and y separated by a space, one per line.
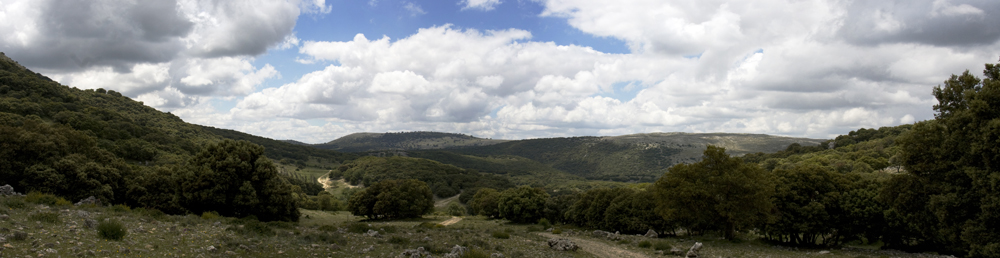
pixel 597 248
pixel 450 221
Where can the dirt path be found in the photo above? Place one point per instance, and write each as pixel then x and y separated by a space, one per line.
pixel 327 183
pixel 450 221
pixel 444 202
pixel 597 248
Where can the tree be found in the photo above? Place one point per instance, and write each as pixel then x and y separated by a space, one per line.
pixel 393 199
pixel 234 179
pixel 954 166
pixel 523 204
pixel 719 192
pixel 486 203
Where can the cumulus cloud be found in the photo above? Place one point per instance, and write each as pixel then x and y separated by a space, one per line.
pixel 169 53
pixel 414 9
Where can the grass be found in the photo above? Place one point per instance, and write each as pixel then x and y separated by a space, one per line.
pixel 661 245
pixel 645 244
pixel 323 234
pixel 500 235
pixel 46 217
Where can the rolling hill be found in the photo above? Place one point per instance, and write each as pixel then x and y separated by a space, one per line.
pixel 362 142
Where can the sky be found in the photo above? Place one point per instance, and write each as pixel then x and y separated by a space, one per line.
pixel 316 70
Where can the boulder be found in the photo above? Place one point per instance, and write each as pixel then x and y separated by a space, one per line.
pixel 89 200
pixel 456 251
pixel 414 253
pixel 7 190
pixel 496 255
pixel 693 252
pixel 652 234
pixel 373 233
pixel 676 251
pixel 562 244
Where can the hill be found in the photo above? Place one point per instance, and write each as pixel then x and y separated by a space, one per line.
pixel 626 158
pixel 77 143
pixel 361 142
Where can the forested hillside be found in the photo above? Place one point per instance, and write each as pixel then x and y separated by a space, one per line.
pixel 627 158
pixel 361 142
pixel 79 143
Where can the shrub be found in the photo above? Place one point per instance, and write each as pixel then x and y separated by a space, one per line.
pixel 556 231
pixel 111 230
pixel 662 245
pixel 327 228
pixel 399 240
pixel 19 236
pixel 427 225
pixel 359 228
pixel 645 244
pixel 63 202
pixel 476 253
pixel 152 213
pixel 252 227
pixel 624 241
pixel 544 223
pixel 534 228
pixel 46 217
pixel 455 209
pixel 43 198
pixel 15 203
pixel 121 208
pixel 501 235
pixel 209 215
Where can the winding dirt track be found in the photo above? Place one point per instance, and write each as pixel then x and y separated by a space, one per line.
pixel 597 248
pixel 450 221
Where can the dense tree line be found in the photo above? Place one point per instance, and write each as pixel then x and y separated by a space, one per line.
pixel 444 180
pixel 393 199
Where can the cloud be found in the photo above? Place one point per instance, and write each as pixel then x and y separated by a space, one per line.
pixel 414 9
pixel 937 22
pixel 168 53
pixel 482 5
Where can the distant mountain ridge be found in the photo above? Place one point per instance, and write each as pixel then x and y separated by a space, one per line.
pixel 363 142
pixel 626 158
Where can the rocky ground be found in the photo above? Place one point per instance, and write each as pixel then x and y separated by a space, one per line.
pixel 38 230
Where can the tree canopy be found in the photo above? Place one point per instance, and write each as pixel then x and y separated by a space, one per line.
pixel 393 199
pixel 719 192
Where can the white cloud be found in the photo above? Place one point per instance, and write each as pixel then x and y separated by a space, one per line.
pixel 482 5
pixel 414 9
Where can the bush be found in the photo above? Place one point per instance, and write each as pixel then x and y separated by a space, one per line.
pixel 501 235
pixel 111 230
pixel 662 245
pixel 120 208
pixel 476 253
pixel 544 223
pixel 328 228
pixel 19 236
pixel 152 213
pixel 359 228
pixel 46 217
pixel 15 203
pixel 399 240
pixel 209 215
pixel 455 209
pixel 624 241
pixel 645 244
pixel 43 198
pixel 252 227
pixel 556 231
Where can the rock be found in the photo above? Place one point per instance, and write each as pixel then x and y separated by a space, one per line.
pixel 610 236
pixel 372 233
pixel 427 239
pixel 210 248
pixel 824 252
pixel 50 250
pixel 693 252
pixel 230 253
pixel 89 200
pixel 414 253
pixel 496 255
pixel 456 251
pixel 652 234
pixel 369 249
pixel 676 251
pixel 89 223
pixel 245 247
pixel 82 213
pixel 4 217
pixel 7 190
pixel 562 244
